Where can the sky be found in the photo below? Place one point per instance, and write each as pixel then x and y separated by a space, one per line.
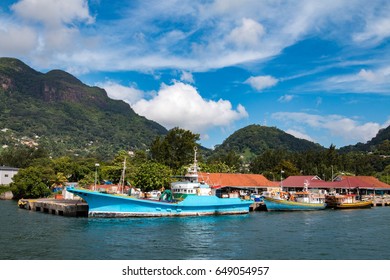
pixel 319 70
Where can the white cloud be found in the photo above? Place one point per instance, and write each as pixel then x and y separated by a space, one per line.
pixel 190 35
pixel 300 135
pixel 261 82
pixel 187 77
pixel 286 98
pixel 338 126
pixel 116 91
pixel 377 26
pixel 181 105
pixel 365 81
pixel 44 32
pixel 247 35
pixel 16 40
pixel 53 13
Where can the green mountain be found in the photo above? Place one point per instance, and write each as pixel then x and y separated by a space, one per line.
pixel 57 111
pixel 255 139
pixel 379 144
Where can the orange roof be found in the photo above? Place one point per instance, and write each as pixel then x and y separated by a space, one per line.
pixel 236 180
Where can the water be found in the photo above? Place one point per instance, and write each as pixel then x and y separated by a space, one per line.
pixel 317 235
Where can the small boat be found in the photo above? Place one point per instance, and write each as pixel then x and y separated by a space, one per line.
pixel 298 201
pixel 187 197
pixel 346 201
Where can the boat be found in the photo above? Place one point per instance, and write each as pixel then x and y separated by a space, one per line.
pixel 347 201
pixel 187 197
pixel 298 201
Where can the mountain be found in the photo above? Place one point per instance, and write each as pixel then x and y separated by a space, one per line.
pixel 57 111
pixel 380 144
pixel 255 139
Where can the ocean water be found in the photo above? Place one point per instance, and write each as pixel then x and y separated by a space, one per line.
pixel 318 235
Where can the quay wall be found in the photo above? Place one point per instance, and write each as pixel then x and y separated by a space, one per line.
pixel 63 207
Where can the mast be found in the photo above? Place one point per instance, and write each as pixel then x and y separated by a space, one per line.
pixel 122 180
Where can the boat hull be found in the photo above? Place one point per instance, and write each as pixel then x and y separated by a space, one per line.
pixel 273 204
pixel 354 205
pixel 110 205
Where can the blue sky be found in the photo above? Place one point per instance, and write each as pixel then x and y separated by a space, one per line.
pixel 319 70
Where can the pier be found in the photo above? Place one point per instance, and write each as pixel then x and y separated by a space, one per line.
pixel 381 201
pixel 61 207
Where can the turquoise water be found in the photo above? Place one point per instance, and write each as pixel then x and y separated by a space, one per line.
pixel 318 235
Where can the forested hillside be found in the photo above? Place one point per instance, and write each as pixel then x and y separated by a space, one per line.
pixel 59 113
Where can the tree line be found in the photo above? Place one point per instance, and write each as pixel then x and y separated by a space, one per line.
pixel 170 155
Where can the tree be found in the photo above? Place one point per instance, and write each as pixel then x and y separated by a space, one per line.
pixel 152 176
pixel 32 182
pixel 230 159
pixel 176 149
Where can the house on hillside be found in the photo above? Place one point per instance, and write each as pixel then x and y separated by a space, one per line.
pixel 6 174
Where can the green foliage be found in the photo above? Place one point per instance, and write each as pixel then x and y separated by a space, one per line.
pixel 176 149
pixel 32 182
pixel 65 116
pixel 152 176
pixel 20 156
pixel 216 167
pixel 231 161
pixel 253 140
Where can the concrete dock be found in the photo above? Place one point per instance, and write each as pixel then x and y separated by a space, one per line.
pixel 61 207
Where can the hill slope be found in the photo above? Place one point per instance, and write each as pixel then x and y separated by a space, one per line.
pixel 380 144
pixel 255 139
pixel 59 112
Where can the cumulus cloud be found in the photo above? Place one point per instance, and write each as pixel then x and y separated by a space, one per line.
pixel 261 82
pixel 339 126
pixel 181 105
pixel 286 98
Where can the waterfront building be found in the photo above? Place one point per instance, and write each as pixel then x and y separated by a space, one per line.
pixel 340 184
pixel 228 182
pixel 6 174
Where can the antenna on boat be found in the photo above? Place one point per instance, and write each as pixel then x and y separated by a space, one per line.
pixel 195 160
pixel 122 180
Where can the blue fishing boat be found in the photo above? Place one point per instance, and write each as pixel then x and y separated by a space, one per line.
pixel 298 201
pixel 187 197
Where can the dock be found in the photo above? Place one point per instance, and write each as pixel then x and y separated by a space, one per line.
pixel 381 201
pixel 61 207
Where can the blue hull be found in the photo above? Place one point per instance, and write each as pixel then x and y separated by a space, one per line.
pixel 285 205
pixel 110 205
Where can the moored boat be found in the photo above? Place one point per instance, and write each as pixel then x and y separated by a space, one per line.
pixel 347 201
pixel 187 197
pixel 285 201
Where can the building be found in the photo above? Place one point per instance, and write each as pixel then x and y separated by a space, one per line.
pixel 253 183
pixel 6 174
pixel 341 184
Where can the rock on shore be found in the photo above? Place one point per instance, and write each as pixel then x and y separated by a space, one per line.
pixel 6 195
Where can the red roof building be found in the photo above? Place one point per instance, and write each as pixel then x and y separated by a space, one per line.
pixel 237 180
pixel 340 183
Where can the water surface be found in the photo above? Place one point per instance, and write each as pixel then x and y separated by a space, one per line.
pixel 317 235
